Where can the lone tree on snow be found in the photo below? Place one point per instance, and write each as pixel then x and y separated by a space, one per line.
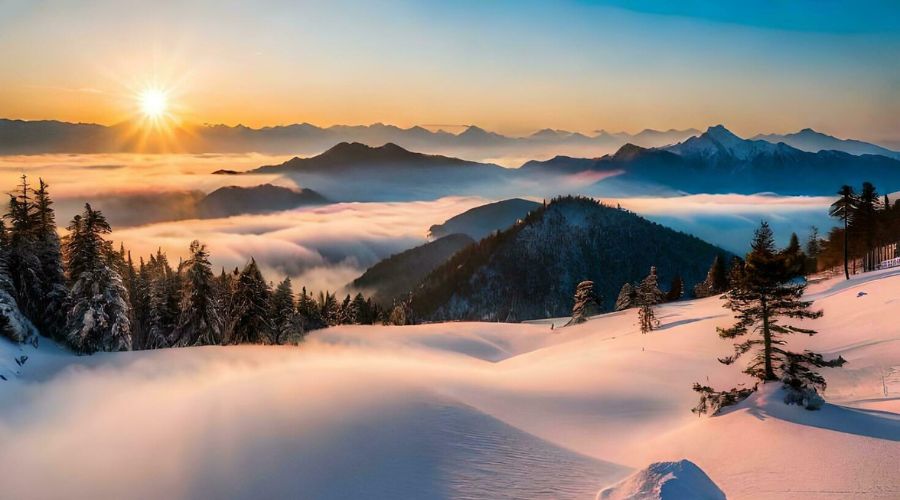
pixel 648 295
pixel 765 293
pixel 587 303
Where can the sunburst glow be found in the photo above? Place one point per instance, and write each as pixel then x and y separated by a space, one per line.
pixel 153 103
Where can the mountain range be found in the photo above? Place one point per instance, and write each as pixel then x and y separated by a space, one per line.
pixel 718 161
pixel 812 141
pixel 49 136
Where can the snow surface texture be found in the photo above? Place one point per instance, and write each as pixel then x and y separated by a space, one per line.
pixel 457 410
pixel 680 480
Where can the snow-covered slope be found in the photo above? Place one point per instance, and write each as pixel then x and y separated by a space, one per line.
pixel 457 410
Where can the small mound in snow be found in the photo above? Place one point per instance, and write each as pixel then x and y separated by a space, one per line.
pixel 665 481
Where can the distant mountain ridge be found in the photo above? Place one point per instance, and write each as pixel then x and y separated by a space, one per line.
pixel 48 136
pixel 719 161
pixel 813 141
pixel 236 200
pixel 352 155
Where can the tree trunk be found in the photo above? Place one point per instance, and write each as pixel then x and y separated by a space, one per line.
pixel 846 250
pixel 767 338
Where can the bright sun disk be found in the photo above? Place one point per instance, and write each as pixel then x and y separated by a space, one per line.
pixel 153 103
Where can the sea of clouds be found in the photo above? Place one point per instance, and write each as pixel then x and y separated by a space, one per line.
pixel 149 201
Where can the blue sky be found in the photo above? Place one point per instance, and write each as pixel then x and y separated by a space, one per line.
pixel 511 66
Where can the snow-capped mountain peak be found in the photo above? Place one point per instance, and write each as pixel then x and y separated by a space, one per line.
pixel 720 143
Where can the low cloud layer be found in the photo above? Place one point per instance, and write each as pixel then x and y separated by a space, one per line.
pixel 321 247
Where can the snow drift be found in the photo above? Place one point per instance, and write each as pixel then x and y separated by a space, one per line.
pixel 681 480
pixel 457 410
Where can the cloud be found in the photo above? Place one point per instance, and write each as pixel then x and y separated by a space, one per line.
pixel 319 247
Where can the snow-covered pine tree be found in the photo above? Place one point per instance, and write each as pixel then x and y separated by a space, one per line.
pixel 764 295
pixel 224 293
pixel 587 303
pixel 676 290
pixel 329 308
pixel 648 295
pixel 286 325
pixel 163 302
pixel 13 324
pixel 140 306
pixel 51 318
pixel 249 321
pixel 310 318
pixel 627 297
pixel 99 319
pixel 22 261
pixel 199 322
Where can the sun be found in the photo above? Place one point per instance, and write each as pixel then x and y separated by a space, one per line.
pixel 153 103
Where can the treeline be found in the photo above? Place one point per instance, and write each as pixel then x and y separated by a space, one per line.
pixel 869 223
pixel 81 292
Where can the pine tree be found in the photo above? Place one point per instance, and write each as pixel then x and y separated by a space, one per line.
pixel 285 319
pixel 361 310
pixel 735 272
pixel 716 280
pixel 627 297
pixel 346 315
pixel 51 317
pixel 648 296
pixel 99 319
pixel 199 322
pixel 163 302
pixel 249 321
pixel 813 249
pixel 310 318
pixel 813 242
pixel 794 258
pixel 14 325
pixel 676 290
pixel 844 209
pixel 140 306
pixel 587 303
pixel 24 266
pixel 868 205
pixel 763 297
pixel 329 309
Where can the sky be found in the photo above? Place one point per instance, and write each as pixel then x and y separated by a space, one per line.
pixel 509 66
